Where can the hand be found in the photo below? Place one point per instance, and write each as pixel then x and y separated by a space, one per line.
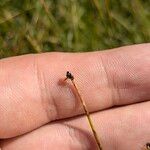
pixel 37 112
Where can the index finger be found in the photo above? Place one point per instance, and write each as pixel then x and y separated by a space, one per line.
pixel 31 96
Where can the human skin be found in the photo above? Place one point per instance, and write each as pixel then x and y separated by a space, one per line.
pixel 39 111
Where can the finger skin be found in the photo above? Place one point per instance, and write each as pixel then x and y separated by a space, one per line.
pixel 121 128
pixel 31 94
pixel 53 137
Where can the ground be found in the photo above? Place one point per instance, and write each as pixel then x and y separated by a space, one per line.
pixel 34 26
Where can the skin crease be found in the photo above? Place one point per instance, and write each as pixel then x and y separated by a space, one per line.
pixel 31 96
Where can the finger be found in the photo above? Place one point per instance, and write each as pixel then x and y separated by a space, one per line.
pixel 51 137
pixel 31 95
pixel 118 129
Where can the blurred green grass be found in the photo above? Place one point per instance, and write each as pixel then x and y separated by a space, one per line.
pixel 34 26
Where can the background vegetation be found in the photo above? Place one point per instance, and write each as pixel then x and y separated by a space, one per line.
pixel 28 26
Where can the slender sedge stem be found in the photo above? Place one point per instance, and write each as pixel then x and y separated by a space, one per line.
pixel 70 76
